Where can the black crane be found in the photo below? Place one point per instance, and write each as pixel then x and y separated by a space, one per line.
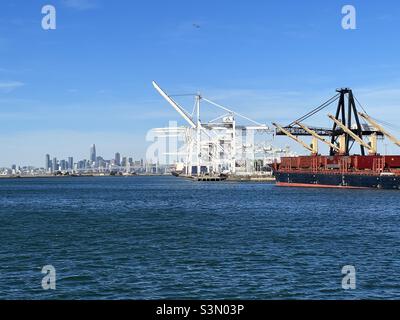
pixel 346 112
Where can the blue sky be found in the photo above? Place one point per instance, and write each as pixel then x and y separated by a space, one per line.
pixel 89 81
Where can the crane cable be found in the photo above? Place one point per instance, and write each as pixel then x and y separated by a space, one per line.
pixel 316 110
pixel 385 123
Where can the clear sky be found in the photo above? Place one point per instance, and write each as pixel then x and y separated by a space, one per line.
pixel 89 81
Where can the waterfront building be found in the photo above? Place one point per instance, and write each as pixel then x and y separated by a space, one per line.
pixel 55 164
pixel 117 159
pixel 93 153
pixel 70 163
pixel 47 165
pixel 81 165
pixel 123 162
pixel 63 165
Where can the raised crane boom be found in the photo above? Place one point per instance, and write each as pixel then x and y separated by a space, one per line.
pixel 176 106
pixel 351 133
pixel 316 135
pixel 305 145
pixel 380 128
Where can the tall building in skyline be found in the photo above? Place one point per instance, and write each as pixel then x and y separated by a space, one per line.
pixel 93 153
pixel 63 165
pixel 47 165
pixel 123 162
pixel 99 164
pixel 118 159
pixel 55 164
pixel 70 163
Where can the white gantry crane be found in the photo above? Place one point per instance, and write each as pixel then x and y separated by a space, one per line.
pixel 214 144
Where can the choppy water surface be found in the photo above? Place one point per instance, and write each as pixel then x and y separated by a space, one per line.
pixel 164 237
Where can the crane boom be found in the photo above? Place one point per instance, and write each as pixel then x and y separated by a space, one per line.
pixel 294 137
pixel 176 106
pixel 351 133
pixel 316 135
pixel 380 128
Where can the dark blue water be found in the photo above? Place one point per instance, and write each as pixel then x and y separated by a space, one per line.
pixel 163 237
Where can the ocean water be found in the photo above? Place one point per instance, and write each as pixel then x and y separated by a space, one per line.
pixel 165 237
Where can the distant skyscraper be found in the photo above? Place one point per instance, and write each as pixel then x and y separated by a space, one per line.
pixel 47 165
pixel 81 164
pixel 123 162
pixel 70 163
pixel 93 153
pixel 63 165
pixel 100 162
pixel 118 159
pixel 55 165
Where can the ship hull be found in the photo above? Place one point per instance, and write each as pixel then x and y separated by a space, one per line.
pixel 350 181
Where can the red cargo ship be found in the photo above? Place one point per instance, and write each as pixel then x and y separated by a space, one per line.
pixel 339 169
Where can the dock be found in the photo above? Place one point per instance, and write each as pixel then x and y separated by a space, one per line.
pixel 204 178
pixel 231 178
pixel 209 179
pixel 252 178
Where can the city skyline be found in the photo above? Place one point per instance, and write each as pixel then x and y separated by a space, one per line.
pixel 118 159
pixel 94 161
